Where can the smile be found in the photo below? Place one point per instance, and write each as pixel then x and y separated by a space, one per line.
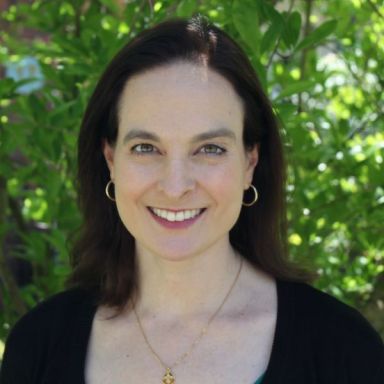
pixel 178 216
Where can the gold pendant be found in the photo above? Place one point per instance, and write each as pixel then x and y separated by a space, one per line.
pixel 168 377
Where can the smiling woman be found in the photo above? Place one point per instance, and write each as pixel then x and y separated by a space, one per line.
pixel 180 273
pixel 180 163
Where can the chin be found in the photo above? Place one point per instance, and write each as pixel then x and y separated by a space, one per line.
pixel 174 251
pixel 176 255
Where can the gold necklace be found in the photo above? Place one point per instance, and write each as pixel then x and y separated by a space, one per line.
pixel 169 377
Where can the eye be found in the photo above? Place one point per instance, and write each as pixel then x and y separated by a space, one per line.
pixel 212 149
pixel 143 148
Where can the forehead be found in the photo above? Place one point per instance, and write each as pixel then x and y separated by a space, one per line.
pixel 180 98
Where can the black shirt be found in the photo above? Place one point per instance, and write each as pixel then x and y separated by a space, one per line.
pixel 317 339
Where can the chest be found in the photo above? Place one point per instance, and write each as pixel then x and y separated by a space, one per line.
pixel 232 351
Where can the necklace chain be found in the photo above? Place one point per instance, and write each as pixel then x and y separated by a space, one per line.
pixel 168 377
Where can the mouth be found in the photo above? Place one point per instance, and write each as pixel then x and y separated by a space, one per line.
pixel 176 216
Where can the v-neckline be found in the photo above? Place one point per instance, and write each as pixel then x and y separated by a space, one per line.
pixel 280 347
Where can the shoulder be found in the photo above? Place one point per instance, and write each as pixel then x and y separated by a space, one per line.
pixel 55 310
pixel 332 330
pixel 325 310
pixel 39 333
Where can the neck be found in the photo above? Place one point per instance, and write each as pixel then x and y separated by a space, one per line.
pixel 169 288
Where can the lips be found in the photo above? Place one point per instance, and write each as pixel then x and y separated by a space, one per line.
pixel 176 216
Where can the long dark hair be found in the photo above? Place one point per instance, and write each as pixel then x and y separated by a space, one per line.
pixel 103 258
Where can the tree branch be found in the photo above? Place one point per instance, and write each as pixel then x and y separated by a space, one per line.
pixel 303 61
pixel 375 8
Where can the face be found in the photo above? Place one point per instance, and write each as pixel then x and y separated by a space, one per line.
pixel 179 165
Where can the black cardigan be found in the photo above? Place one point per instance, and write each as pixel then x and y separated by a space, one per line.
pixel 318 340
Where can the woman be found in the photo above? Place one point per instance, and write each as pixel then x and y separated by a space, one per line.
pixel 179 274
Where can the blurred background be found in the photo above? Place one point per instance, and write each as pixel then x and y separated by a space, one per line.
pixel 321 62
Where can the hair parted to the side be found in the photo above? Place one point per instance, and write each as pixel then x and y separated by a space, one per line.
pixel 103 258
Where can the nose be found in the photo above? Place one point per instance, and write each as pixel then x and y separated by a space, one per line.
pixel 176 178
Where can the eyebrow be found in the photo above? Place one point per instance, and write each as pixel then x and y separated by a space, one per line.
pixel 209 135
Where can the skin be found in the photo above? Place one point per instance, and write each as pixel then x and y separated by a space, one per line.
pixel 179 171
pixel 184 273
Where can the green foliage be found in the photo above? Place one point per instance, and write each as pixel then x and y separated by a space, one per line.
pixel 317 35
pixel 324 77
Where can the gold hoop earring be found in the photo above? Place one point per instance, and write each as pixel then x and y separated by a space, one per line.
pixel 110 182
pixel 254 198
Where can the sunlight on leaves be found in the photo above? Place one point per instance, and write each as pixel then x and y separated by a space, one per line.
pixel 295 239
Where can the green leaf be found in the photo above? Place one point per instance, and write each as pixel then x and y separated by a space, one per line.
pixel 297 87
pixel 8 87
pixel 246 21
pixel 273 33
pixel 260 71
pixel 36 107
pixel 186 8
pixel 285 110
pixel 112 5
pixel 273 15
pixel 318 35
pixel 271 37
pixel 292 29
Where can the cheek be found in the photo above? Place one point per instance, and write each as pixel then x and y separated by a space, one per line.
pixel 225 189
pixel 226 182
pixel 131 180
pixel 131 184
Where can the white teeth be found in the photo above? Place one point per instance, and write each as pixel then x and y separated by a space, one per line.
pixel 176 216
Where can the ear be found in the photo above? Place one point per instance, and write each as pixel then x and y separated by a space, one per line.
pixel 252 158
pixel 109 153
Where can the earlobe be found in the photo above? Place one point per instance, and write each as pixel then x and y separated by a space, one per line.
pixel 108 152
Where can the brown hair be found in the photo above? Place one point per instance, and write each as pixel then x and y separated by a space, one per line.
pixel 104 255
